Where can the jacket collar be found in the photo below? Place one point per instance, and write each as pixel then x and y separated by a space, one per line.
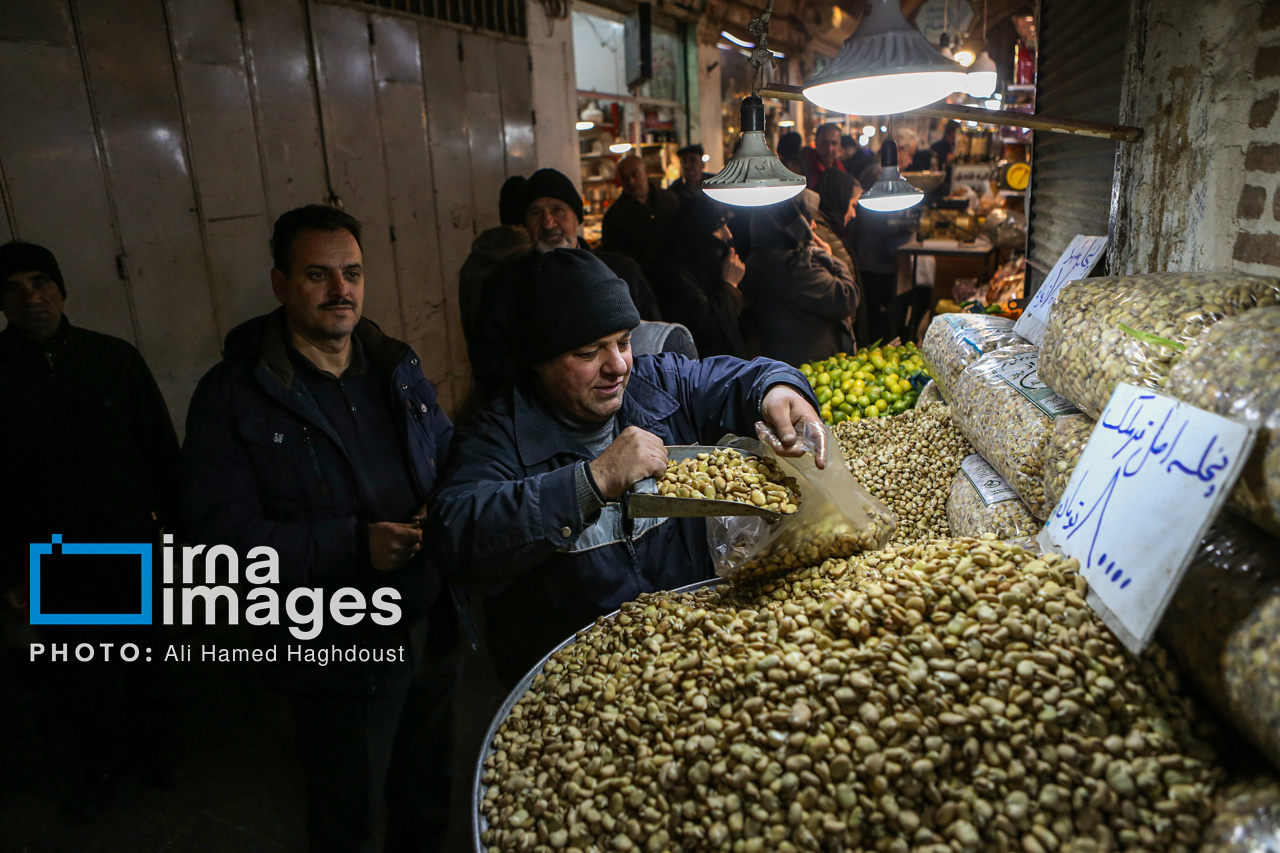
pixel 17 341
pixel 383 352
pixel 539 437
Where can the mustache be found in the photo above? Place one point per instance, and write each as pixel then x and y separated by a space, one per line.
pixel 338 302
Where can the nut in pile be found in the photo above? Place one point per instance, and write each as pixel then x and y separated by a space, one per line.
pixel 971 513
pixel 908 462
pixel 953 697
pixel 1104 331
pixel 727 475
pixel 1066 443
pixel 1234 369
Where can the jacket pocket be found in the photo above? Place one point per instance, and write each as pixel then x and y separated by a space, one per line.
pixel 284 462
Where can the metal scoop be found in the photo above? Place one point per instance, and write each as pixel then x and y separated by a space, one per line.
pixel 643 500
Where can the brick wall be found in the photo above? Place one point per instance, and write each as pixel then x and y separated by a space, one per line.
pixel 1257 242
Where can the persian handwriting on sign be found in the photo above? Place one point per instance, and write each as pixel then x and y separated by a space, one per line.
pixel 1081 256
pixel 1147 486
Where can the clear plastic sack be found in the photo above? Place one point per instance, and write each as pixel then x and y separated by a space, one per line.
pixel 982 502
pixel 929 397
pixel 954 341
pixel 1245 817
pixel 1223 625
pixel 1007 414
pixel 1066 443
pixel 1234 369
pixel 1104 331
pixel 837 517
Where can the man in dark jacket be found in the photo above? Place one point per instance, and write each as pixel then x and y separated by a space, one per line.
pixel 689 184
pixel 318 436
pixel 492 249
pixel 91 455
pixel 529 511
pixel 553 216
pixel 632 224
pixel 802 299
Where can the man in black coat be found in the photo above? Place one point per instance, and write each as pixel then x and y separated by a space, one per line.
pixel 92 456
pixel 553 216
pixel 632 224
pixel 318 436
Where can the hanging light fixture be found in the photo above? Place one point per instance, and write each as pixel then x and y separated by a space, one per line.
pixel 885 67
pixel 891 192
pixel 754 176
pixel 982 73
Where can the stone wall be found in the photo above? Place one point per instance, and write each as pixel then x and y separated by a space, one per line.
pixel 1201 190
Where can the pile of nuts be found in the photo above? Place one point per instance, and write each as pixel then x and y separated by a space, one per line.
pixel 907 461
pixel 1234 369
pixel 1066 443
pixel 969 515
pixel 727 475
pixel 1223 626
pixel 1004 426
pixel 954 341
pixel 953 697
pixel 1085 353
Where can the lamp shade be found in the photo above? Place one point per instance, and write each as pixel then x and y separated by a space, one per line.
pixel 891 191
pixel 887 66
pixel 754 176
pixel 981 82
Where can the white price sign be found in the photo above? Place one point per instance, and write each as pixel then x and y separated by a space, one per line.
pixel 1076 263
pixel 1149 483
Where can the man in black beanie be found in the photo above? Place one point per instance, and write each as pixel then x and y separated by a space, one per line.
pixel 553 216
pixel 493 248
pixel 529 511
pixel 93 456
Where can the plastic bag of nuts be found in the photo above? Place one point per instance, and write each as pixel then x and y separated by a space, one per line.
pixel 1104 331
pixel 1066 442
pixel 929 397
pixel 1223 626
pixel 1234 369
pixel 1246 817
pixel 1007 414
pixel 836 518
pixel 954 341
pixel 982 502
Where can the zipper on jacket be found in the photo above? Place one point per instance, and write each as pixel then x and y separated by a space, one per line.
pixel 315 463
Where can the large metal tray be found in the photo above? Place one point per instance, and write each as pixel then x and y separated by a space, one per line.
pixel 478 820
pixel 643 501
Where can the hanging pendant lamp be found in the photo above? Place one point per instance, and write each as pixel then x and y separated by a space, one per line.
pixel 887 66
pixel 891 192
pixel 754 176
pixel 981 82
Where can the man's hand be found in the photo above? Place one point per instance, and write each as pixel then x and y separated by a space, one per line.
pixel 634 455
pixel 733 268
pixel 786 412
pixel 391 544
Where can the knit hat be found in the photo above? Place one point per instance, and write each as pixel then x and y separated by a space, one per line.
pixel 17 256
pixel 511 204
pixel 549 183
pixel 571 299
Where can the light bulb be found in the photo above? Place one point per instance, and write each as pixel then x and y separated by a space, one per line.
pixel 752 196
pixel 890 191
pixel 869 130
pixel 585 125
pixel 888 204
pixel 886 94
pixel 620 147
pixel 863 140
pixel 754 176
pixel 965 57
pixel 981 82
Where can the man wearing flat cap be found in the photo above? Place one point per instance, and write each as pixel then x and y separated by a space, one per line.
pixel 530 512
pixel 91 454
pixel 553 218
pixel 689 184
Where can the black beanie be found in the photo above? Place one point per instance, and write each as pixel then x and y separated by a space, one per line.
pixel 511 204
pixel 17 256
pixel 571 299
pixel 548 183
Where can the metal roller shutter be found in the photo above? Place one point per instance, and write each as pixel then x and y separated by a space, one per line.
pixel 1079 75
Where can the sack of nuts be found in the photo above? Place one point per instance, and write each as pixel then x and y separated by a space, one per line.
pixel 836 517
pixel 1234 369
pixel 1223 626
pixel 1007 414
pixel 1246 816
pixel 982 502
pixel 1066 443
pixel 1104 331
pixel 954 341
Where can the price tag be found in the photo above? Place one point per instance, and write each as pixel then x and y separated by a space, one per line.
pixel 1149 483
pixel 1076 263
pixel 991 487
pixel 1020 373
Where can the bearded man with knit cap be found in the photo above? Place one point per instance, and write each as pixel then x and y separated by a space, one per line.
pixel 553 215
pixel 91 455
pixel 530 511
